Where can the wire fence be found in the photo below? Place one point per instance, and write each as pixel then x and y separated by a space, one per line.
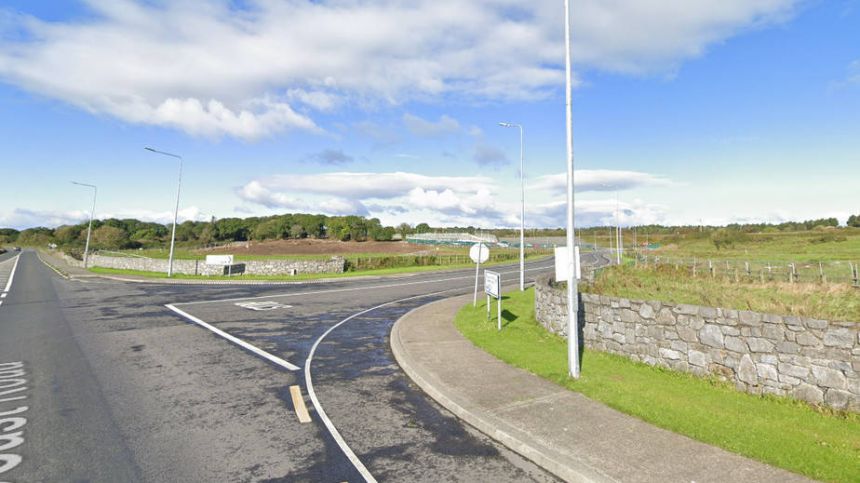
pixel 761 271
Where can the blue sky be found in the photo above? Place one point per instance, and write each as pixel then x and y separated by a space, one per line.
pixel 731 111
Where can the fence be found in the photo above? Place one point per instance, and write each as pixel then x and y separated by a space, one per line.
pixel 762 271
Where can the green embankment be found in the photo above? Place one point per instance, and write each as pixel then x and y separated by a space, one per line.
pixel 818 443
pixel 665 283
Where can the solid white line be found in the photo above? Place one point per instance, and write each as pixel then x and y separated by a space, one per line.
pixel 12 274
pixel 3 295
pixel 256 350
pixel 318 407
pixel 352 289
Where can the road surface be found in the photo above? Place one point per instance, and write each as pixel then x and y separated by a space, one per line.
pixel 111 381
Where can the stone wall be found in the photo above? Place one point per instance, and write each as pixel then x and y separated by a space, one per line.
pixel 810 359
pixel 199 267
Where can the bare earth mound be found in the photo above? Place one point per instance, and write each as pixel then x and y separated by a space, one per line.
pixel 311 246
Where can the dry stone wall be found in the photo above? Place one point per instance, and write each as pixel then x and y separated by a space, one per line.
pixel 810 359
pixel 199 267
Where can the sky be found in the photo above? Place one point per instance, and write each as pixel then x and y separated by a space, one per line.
pixel 685 112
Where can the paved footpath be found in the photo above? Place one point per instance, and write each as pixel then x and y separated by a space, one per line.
pixel 568 434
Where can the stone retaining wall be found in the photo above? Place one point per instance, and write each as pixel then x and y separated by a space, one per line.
pixel 199 267
pixel 810 359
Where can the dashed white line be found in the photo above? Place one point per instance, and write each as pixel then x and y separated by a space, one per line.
pixel 241 343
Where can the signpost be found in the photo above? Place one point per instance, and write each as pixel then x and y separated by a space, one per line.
pixel 561 264
pixel 223 260
pixel 493 288
pixel 219 259
pixel 479 253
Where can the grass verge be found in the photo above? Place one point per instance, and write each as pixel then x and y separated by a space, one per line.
pixel 818 443
pixel 295 278
pixel 665 283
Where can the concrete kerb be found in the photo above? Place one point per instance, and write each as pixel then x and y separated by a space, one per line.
pixel 512 438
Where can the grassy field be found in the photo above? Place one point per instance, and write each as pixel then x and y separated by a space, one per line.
pixel 805 246
pixel 818 443
pixel 664 283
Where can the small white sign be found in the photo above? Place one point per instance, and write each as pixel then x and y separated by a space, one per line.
pixel 264 305
pixel 479 253
pixel 493 284
pixel 219 259
pixel 561 264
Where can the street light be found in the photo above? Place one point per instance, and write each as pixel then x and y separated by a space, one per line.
pixel 175 211
pixel 522 209
pixel 90 227
pixel 572 293
pixel 619 245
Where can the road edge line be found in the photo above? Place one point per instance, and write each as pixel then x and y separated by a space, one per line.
pixel 241 343
pixel 12 274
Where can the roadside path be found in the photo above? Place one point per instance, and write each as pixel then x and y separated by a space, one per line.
pixel 573 437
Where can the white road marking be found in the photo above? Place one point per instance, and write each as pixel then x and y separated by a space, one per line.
pixel 318 407
pixel 11 275
pixel 352 289
pixel 241 343
pixel 335 434
pixel 262 306
pixel 11 381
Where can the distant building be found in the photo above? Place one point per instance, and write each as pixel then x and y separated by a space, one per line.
pixel 451 239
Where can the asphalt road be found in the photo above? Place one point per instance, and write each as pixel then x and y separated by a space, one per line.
pixel 101 381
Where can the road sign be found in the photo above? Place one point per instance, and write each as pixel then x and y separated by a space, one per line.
pixel 219 259
pixel 492 284
pixel 493 288
pixel 479 253
pixel 561 264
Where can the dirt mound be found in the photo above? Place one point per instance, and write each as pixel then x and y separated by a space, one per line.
pixel 310 246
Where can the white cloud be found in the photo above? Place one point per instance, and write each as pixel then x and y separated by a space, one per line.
pixel 361 185
pixel 421 127
pixel 598 180
pixel 21 218
pixel 217 68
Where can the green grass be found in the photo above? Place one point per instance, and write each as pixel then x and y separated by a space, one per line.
pixel 299 277
pixel 775 247
pixel 665 283
pixel 818 443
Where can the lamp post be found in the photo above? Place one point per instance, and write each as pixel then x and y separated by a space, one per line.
pixel 572 293
pixel 522 209
pixel 175 211
pixel 90 226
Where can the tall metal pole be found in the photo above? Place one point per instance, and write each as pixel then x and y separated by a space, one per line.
pixel 175 211
pixel 572 293
pixel 617 231
pixel 90 226
pixel 522 218
pixel 522 208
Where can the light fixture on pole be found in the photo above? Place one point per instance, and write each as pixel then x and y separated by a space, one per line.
pixel 90 226
pixel 175 211
pixel 572 293
pixel 522 209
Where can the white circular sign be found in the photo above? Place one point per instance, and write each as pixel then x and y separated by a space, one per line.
pixel 479 249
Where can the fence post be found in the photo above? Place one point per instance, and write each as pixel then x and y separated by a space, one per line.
pixel 790 273
pixel 711 269
pixel 747 267
pixel 821 273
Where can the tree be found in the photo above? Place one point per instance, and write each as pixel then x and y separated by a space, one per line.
pixel 39 236
pixel 404 229
pixel 68 234
pixel 423 228
pixel 854 220
pixel 297 231
pixel 271 229
pixel 108 237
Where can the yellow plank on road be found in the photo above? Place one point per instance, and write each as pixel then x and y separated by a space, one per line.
pixel 299 404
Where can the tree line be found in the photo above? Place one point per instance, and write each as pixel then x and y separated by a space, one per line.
pixel 112 234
